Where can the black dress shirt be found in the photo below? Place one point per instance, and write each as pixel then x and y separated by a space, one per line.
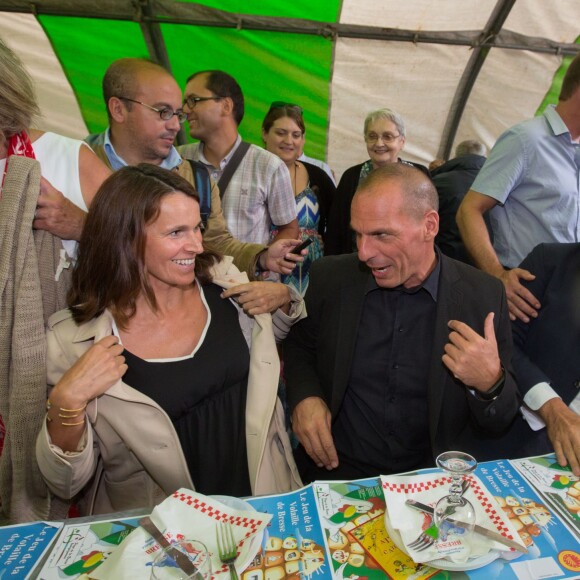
pixel 386 399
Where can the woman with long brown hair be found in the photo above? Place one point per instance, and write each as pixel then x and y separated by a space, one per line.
pixel 160 381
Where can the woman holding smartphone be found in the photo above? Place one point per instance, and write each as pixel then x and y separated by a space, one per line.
pixel 283 134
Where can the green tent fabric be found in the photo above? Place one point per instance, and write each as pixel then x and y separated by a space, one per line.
pixel 453 70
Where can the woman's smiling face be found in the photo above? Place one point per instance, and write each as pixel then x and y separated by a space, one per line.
pixel 173 241
pixel 384 142
pixel 285 139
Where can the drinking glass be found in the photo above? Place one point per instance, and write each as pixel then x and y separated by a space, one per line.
pixel 165 567
pixel 454 515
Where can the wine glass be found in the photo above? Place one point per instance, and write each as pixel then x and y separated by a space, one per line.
pixel 454 515
pixel 165 567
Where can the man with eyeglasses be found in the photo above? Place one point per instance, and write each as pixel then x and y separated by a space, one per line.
pixel 259 193
pixel 145 114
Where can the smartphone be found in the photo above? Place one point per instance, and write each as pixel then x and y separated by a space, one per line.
pixel 298 249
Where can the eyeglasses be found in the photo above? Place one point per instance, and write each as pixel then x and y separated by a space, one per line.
pixel 166 113
pixel 385 137
pixel 282 104
pixel 192 101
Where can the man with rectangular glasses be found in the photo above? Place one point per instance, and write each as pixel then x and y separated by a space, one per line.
pixel 144 107
pixel 258 194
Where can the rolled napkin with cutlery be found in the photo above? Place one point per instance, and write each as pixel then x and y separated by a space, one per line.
pixel 411 527
pixel 185 515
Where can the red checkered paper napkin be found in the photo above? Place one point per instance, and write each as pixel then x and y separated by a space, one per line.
pixel 185 515
pixel 407 523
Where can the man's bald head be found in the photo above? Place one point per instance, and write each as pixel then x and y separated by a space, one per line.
pixel 123 76
pixel 419 193
pixel 137 92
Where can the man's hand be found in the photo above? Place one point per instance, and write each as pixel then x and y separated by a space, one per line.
pixel 473 359
pixel 278 257
pixel 259 297
pixel 311 422
pixel 56 214
pixel 521 302
pixel 563 431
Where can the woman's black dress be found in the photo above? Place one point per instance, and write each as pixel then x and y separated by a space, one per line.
pixel 205 398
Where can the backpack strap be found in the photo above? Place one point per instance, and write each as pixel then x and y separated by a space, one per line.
pixel 203 186
pixel 232 165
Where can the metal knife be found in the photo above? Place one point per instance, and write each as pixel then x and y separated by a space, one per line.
pixel 477 529
pixel 181 559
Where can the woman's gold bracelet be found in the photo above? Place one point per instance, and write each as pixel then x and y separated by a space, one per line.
pixel 67 414
pixel 72 424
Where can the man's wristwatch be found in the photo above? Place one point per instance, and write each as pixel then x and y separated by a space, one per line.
pixel 495 390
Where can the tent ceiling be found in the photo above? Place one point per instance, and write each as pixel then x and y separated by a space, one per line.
pixel 534 25
pixel 454 69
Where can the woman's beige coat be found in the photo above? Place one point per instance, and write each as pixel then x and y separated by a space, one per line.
pixel 132 456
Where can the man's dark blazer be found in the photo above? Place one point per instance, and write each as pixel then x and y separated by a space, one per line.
pixel 452 181
pixel 547 349
pixel 319 349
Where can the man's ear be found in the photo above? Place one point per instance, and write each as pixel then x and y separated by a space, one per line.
pixel 117 109
pixel 431 221
pixel 227 106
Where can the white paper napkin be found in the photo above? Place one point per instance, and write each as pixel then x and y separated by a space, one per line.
pixel 429 489
pixel 184 515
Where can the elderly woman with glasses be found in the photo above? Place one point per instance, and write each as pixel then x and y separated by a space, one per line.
pixel 159 380
pixel 384 134
pixel 283 133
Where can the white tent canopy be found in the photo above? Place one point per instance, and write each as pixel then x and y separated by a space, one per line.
pixel 454 69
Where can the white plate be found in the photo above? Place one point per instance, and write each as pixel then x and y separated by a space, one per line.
pixel 442 563
pixel 249 549
pixel 471 564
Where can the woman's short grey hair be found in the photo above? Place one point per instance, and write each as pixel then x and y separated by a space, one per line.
pixel 388 114
pixel 18 105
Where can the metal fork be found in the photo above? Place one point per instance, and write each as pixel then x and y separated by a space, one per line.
pixel 429 536
pixel 227 547
pixel 424 539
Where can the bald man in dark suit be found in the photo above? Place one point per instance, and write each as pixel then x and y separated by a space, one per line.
pixel 405 353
